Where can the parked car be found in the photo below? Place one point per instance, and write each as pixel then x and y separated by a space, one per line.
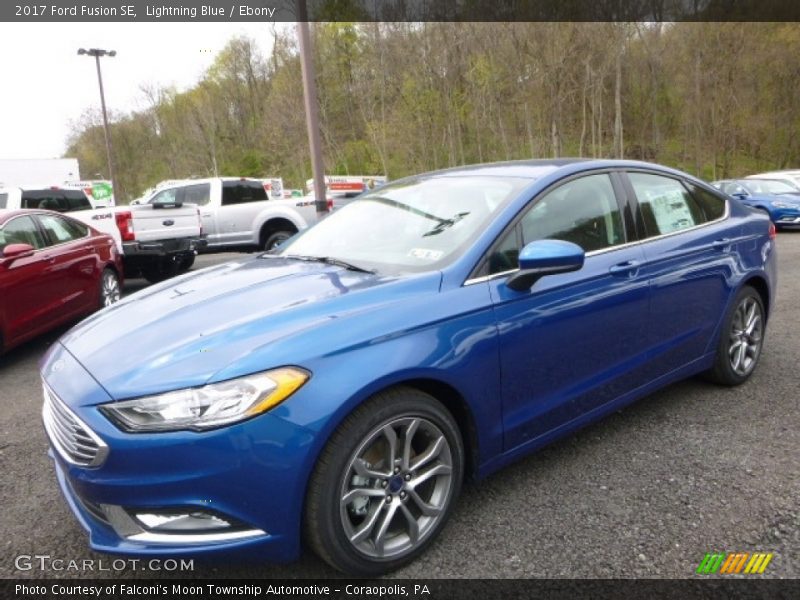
pixel 791 176
pixel 155 241
pixel 342 386
pixel 780 200
pixel 53 269
pixel 239 212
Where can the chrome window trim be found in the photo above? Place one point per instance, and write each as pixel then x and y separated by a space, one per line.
pixel 725 215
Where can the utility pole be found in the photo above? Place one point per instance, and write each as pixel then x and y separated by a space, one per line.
pixel 97 53
pixel 312 112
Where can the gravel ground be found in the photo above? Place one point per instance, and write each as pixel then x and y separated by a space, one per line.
pixel 645 493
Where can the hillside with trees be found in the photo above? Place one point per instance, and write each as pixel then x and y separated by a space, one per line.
pixel 714 99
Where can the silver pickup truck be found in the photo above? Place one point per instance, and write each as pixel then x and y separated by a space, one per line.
pixel 156 241
pixel 239 212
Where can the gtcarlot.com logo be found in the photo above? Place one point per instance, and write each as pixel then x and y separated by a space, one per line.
pixel 733 563
pixel 46 562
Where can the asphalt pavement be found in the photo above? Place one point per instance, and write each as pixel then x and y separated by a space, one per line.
pixel 647 492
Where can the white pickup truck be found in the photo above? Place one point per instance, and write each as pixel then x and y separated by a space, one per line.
pixel 240 212
pixel 156 241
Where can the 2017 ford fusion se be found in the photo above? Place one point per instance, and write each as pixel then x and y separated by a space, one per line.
pixel 338 390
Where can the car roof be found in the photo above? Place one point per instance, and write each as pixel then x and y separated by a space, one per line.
pixel 766 174
pixel 538 168
pixel 8 213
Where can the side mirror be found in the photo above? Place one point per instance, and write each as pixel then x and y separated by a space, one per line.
pixel 14 251
pixel 739 195
pixel 545 257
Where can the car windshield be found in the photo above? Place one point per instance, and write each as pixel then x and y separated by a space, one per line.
pixel 411 226
pixel 770 186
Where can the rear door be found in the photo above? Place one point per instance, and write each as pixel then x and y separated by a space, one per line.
pixel 689 247
pixel 71 255
pixel 573 342
pixel 242 200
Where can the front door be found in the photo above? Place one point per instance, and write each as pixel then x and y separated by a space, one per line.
pixel 574 341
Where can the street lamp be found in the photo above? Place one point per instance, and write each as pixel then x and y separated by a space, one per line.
pixel 97 53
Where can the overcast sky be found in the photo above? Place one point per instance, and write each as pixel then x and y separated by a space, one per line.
pixel 46 85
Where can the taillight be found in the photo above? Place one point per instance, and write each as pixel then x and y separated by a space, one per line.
pixel 330 203
pixel 773 231
pixel 125 226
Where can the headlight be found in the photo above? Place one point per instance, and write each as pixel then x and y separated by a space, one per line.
pixel 781 204
pixel 210 406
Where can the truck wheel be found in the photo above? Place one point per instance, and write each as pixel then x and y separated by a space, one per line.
pixel 276 239
pixel 185 263
pixel 161 270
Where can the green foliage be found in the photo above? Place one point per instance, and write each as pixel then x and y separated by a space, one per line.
pixel 716 99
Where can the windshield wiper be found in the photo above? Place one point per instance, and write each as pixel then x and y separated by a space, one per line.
pixel 330 260
pixel 445 224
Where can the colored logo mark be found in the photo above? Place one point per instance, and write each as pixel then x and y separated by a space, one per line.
pixel 734 562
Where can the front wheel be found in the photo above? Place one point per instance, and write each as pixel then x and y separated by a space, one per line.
pixel 385 484
pixel 741 339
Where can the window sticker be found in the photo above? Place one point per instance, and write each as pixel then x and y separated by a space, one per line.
pixel 426 254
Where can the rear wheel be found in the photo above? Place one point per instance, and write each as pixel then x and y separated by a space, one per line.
pixel 185 263
pixel 161 269
pixel 741 339
pixel 109 288
pixel 276 238
pixel 385 484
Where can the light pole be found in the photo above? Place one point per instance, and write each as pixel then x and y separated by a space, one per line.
pixel 97 53
pixel 312 116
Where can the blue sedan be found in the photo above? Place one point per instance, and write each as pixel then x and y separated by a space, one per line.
pixel 340 388
pixel 779 199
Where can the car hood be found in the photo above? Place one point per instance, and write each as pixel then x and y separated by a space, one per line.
pixel 183 332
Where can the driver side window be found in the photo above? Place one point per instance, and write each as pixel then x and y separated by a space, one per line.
pixel 583 211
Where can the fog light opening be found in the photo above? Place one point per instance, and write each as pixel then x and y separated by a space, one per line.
pixel 184 521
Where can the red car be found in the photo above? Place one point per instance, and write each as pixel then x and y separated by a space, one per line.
pixel 53 269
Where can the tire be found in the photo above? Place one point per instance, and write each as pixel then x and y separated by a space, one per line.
pixel 402 513
pixel 741 339
pixel 185 263
pixel 161 270
pixel 110 290
pixel 276 238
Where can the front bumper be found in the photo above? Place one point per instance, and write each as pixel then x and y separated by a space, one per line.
pixel 787 220
pixel 253 474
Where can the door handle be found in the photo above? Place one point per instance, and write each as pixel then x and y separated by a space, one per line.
pixel 629 267
pixel 721 243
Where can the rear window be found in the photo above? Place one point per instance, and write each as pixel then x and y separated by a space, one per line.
pixel 240 192
pixel 713 206
pixel 61 230
pixel 58 200
pixel 666 205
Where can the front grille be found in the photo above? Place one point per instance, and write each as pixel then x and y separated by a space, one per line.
pixel 74 441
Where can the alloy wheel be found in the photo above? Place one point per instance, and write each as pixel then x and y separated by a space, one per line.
pixel 747 331
pixel 109 290
pixel 396 487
